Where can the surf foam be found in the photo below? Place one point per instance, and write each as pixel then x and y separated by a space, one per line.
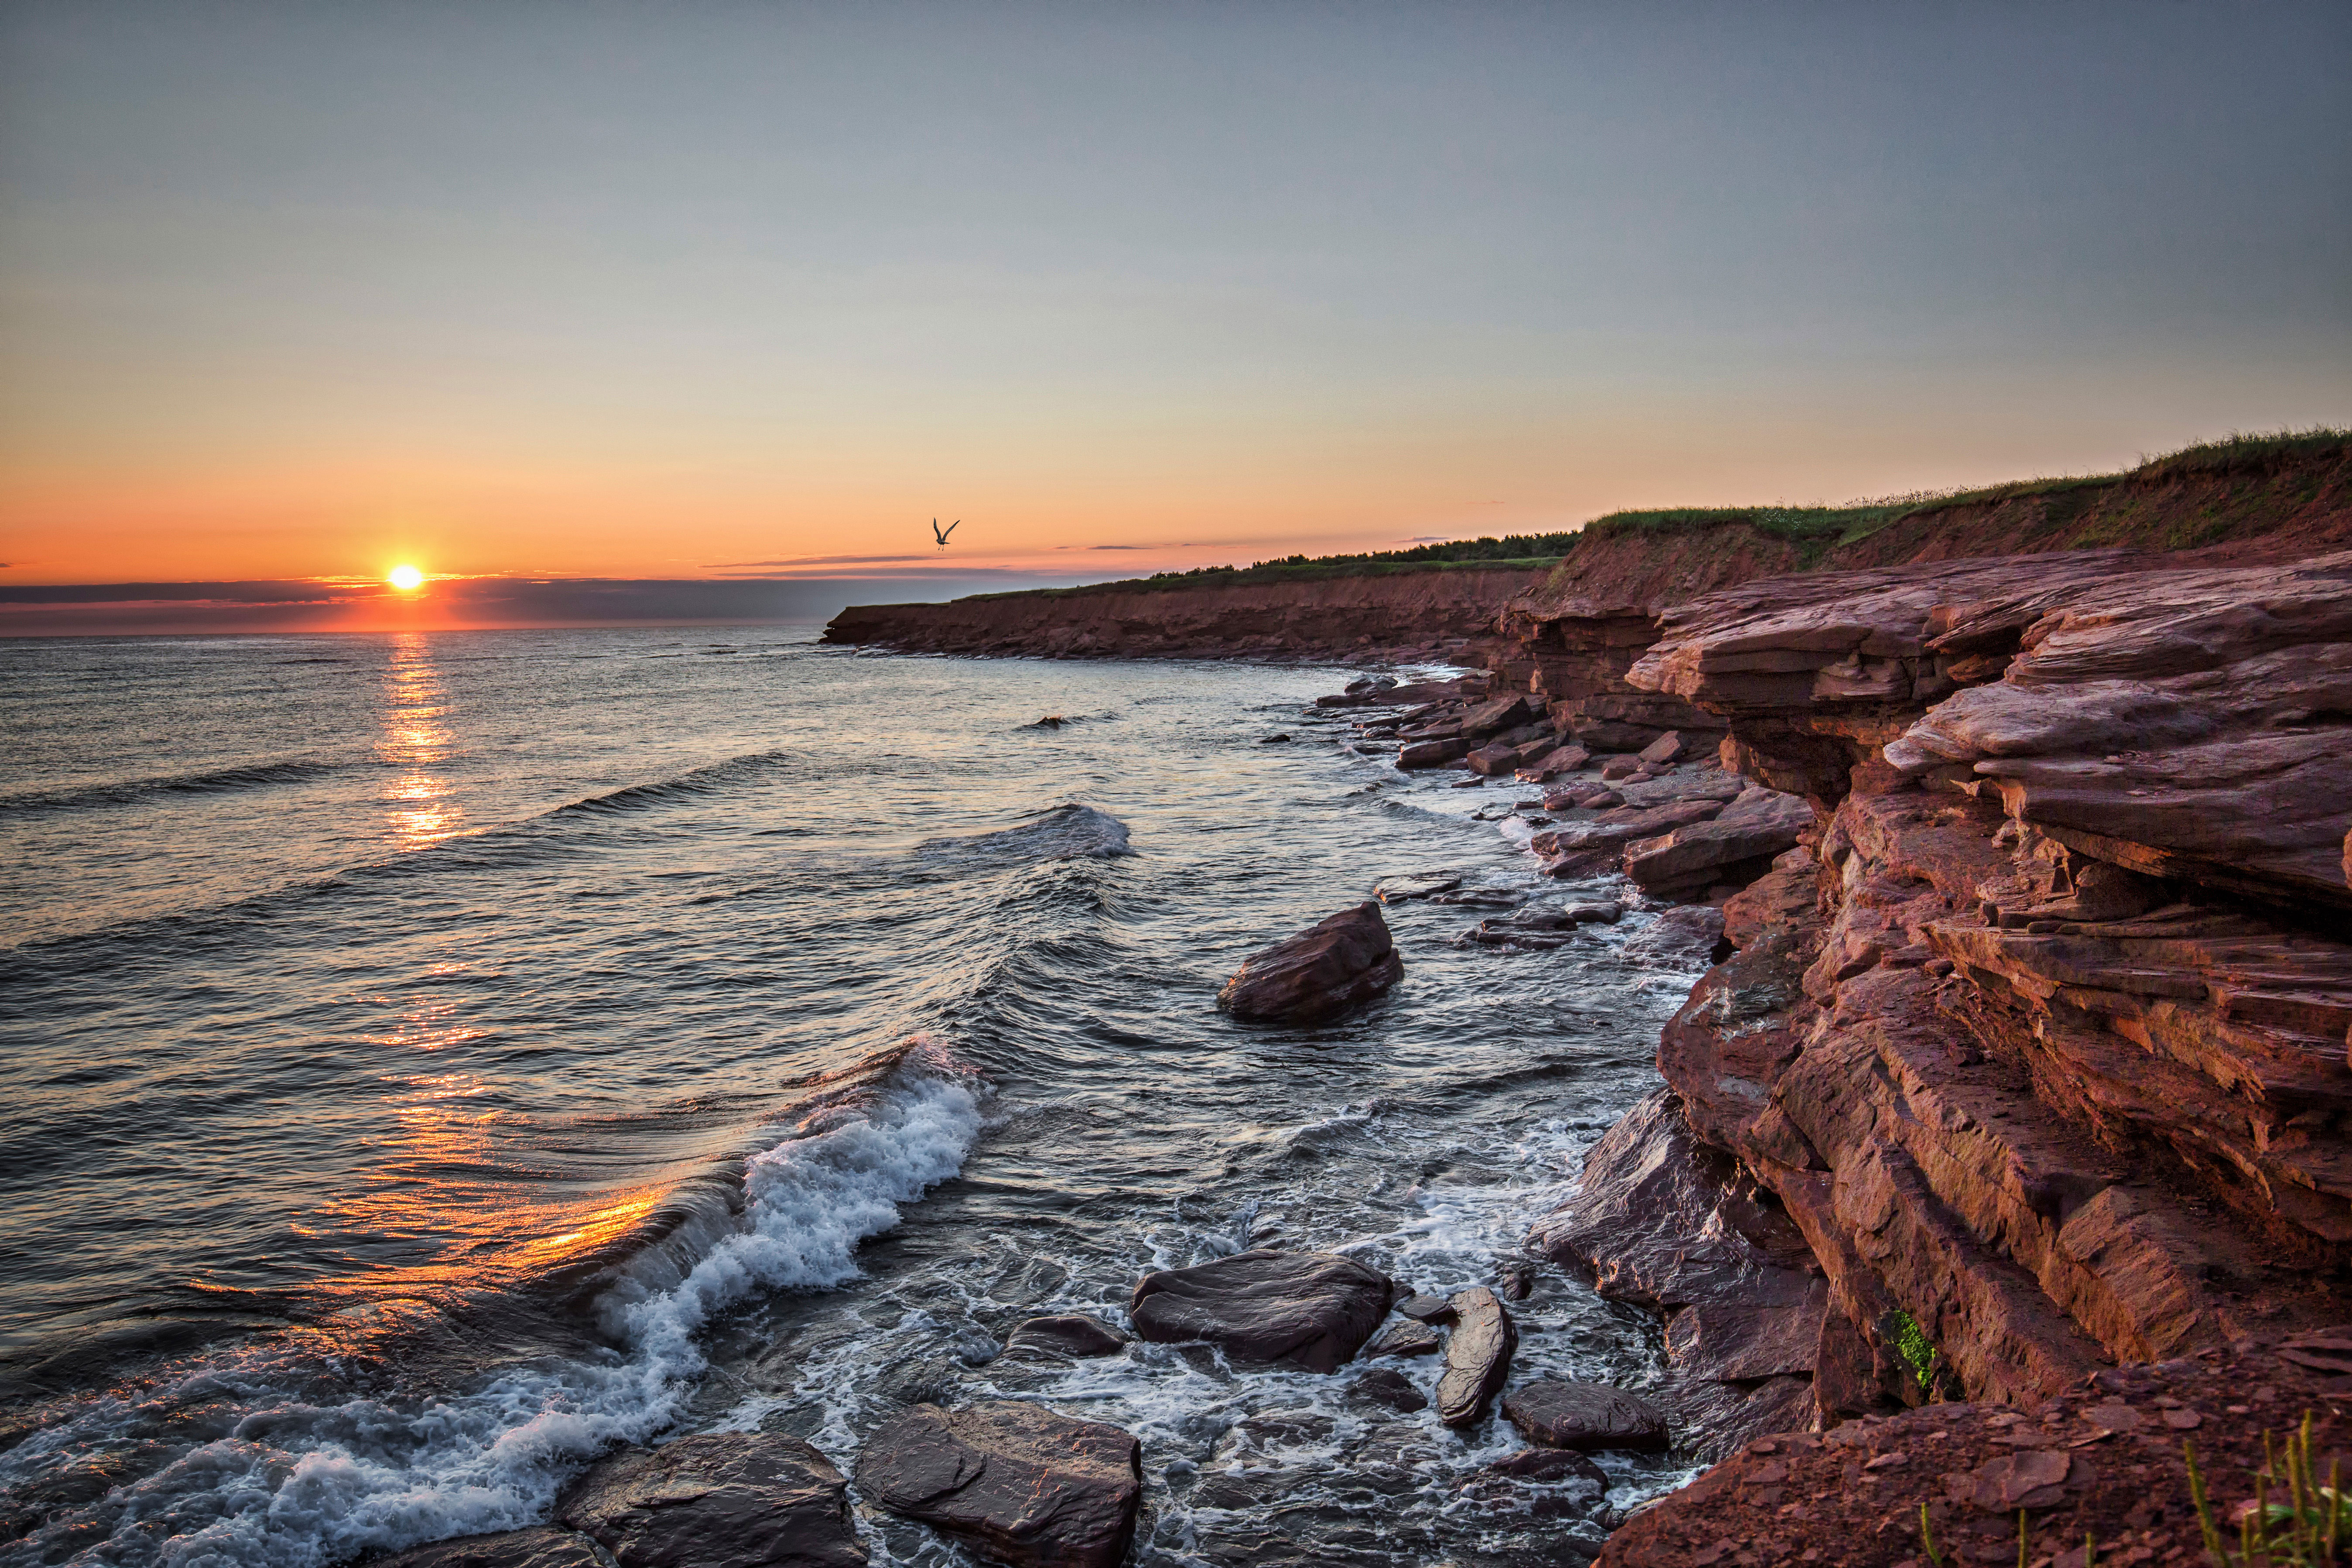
pixel 287 1482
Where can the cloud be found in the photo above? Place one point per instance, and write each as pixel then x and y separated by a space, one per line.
pixel 1118 547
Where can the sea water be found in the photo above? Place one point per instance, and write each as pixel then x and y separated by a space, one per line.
pixel 429 1060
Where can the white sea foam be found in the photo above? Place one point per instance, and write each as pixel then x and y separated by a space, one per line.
pixel 298 1485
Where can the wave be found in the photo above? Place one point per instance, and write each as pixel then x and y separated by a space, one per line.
pixel 128 792
pixel 692 785
pixel 1067 832
pixel 291 1477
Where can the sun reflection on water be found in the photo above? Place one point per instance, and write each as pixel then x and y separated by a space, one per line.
pixel 416 741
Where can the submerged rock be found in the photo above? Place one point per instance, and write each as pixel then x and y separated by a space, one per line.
pixel 1312 1308
pixel 535 1548
pixel 1561 1414
pixel 1070 1334
pixel 1477 1356
pixel 1018 1481
pixel 717 1500
pixel 1326 969
pixel 1387 1386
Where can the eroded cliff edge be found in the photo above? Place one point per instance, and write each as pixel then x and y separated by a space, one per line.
pixel 2040 1037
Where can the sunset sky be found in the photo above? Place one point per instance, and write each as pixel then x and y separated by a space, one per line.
pixel 295 293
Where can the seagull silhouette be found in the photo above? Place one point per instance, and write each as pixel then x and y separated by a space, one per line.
pixel 943 537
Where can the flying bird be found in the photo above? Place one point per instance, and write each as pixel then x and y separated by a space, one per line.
pixel 943 537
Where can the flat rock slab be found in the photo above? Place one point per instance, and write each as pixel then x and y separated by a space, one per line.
pixel 1068 1333
pixel 1312 1308
pixel 535 1548
pixel 1477 1356
pixel 1417 885
pixel 1560 1414
pixel 1330 967
pixel 1427 1309
pixel 719 1500
pixel 1017 1481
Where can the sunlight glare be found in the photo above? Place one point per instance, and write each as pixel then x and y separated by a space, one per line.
pixel 406 578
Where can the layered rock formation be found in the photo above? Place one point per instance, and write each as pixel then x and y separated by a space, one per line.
pixel 1395 615
pixel 2041 1039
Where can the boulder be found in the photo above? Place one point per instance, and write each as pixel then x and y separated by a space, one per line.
pixel 1427 1309
pixel 1431 753
pixel 1070 1334
pixel 1621 767
pixel 1550 764
pixel 1496 760
pixel 1326 969
pixel 1312 1308
pixel 1558 1413
pixel 1665 751
pixel 717 1500
pixel 535 1548
pixel 1477 1356
pixel 1015 1481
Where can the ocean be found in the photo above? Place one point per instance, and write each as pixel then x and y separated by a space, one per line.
pixel 433 1058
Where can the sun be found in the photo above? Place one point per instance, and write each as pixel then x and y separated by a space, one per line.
pixel 406 578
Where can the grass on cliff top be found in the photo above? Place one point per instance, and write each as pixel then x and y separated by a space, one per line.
pixel 1815 530
pixel 1829 526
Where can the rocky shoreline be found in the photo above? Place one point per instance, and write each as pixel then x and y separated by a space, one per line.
pixel 1999 1168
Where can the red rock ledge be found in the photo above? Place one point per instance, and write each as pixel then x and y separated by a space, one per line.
pixel 2038 1040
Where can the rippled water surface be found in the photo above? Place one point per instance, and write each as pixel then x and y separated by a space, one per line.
pixel 429 1059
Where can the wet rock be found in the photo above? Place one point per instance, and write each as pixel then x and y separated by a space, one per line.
pixel 1388 1387
pixel 1274 739
pixel 1070 1334
pixel 1427 1309
pixel 1312 1308
pixel 1483 898
pixel 1417 885
pixel 1407 1338
pixel 1560 1414
pixel 534 1548
pixel 1331 966
pixel 717 1500
pixel 1017 1481
pixel 1477 1356
pixel 1434 754
pixel 1550 1467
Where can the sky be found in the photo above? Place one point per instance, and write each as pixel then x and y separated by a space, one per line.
pixel 694 291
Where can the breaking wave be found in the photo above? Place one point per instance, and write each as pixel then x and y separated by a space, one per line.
pixel 291 1476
